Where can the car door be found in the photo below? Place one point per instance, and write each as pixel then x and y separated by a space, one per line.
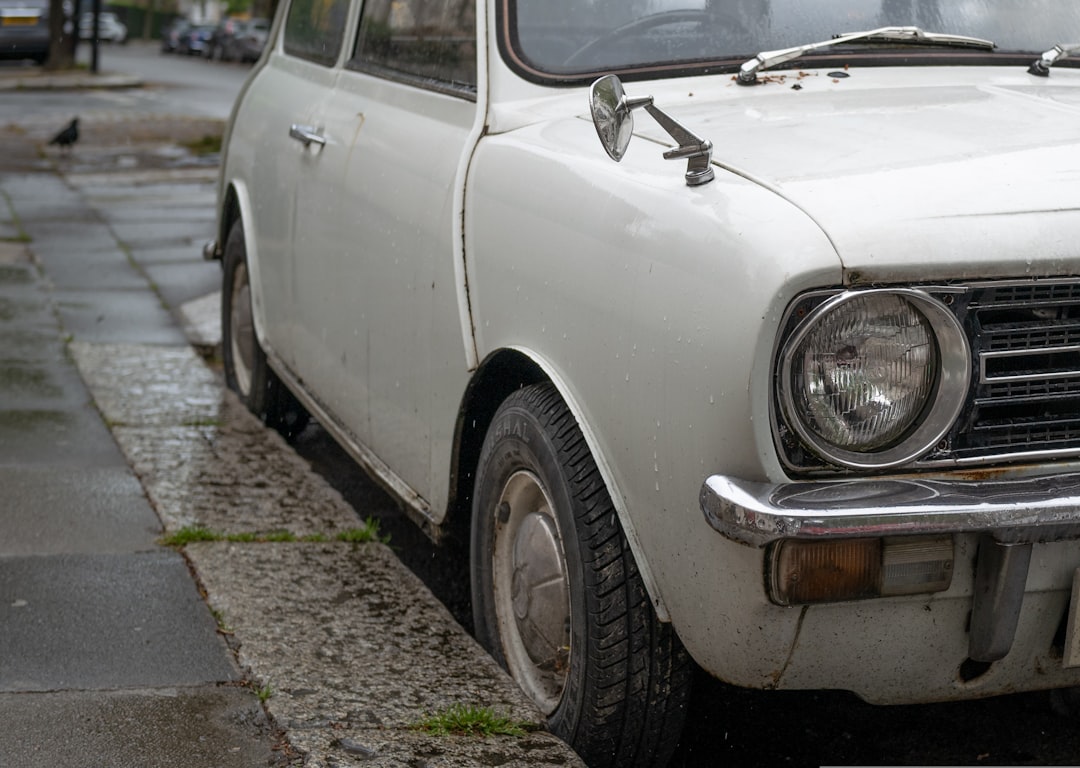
pixel 376 293
pixel 287 101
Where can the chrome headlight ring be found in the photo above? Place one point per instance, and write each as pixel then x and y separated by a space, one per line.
pixel 874 379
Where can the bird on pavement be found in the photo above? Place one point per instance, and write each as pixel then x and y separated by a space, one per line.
pixel 68 136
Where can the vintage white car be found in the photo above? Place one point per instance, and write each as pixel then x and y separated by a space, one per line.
pixel 791 390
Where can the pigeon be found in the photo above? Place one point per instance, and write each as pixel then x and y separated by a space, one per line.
pixel 68 136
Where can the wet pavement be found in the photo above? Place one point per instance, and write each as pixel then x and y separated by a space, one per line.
pixel 116 430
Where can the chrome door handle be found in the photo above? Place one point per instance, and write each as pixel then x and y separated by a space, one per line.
pixel 306 135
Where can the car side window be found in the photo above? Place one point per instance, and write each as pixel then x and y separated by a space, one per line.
pixel 314 29
pixel 431 43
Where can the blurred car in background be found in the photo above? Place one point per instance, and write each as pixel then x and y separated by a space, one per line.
pixel 195 39
pixel 247 41
pixel 220 37
pixel 110 28
pixel 170 35
pixel 24 29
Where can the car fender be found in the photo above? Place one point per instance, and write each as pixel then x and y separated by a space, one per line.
pixel 618 500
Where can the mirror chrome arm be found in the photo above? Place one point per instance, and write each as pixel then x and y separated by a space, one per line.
pixel 697 151
pixel 1041 66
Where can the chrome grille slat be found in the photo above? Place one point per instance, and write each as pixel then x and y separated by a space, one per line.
pixel 1025 339
pixel 1027 336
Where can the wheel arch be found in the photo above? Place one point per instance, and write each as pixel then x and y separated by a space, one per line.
pixel 499 374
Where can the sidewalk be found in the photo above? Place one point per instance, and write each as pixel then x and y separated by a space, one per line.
pixel 34 78
pixel 117 650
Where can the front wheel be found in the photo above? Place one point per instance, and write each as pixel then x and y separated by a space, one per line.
pixel 246 370
pixel 557 596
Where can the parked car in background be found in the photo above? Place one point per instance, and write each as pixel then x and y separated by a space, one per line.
pixel 744 332
pixel 24 29
pixel 110 28
pixel 220 38
pixel 247 40
pixel 171 34
pixel 194 40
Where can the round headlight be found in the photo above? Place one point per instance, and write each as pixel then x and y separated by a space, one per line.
pixel 875 378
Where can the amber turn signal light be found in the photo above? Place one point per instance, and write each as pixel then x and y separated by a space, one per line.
pixel 803 572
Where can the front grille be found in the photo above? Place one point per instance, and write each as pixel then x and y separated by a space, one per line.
pixel 1025 398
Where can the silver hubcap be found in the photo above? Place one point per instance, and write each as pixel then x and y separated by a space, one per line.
pixel 242 330
pixel 532 592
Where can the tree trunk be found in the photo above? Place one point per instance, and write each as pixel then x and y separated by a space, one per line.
pixel 148 20
pixel 62 41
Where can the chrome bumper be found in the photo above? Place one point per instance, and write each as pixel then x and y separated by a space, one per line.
pixel 1015 510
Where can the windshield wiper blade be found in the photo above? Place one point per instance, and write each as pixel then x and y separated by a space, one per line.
pixel 1041 67
pixel 748 71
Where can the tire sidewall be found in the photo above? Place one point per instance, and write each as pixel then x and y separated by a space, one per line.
pixel 517 441
pixel 235 255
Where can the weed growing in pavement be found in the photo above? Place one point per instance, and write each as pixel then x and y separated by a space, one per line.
pixel 191 534
pixel 369 532
pixel 264 693
pixel 21 235
pixel 188 535
pixel 207 145
pixel 219 617
pixel 468 720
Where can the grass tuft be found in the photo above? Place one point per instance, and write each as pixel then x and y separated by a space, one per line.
pixel 367 533
pixel 468 720
pixel 206 145
pixel 190 534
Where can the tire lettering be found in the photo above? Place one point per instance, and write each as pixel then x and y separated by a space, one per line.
pixel 512 428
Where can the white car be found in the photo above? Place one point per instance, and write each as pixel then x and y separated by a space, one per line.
pixel 743 332
pixel 110 28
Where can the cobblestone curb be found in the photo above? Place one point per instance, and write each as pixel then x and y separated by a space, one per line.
pixel 352 649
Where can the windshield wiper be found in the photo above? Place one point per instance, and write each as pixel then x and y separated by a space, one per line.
pixel 1041 67
pixel 748 71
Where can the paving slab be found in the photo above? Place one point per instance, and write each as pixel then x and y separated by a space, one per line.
pixel 34 337
pixel 60 438
pixel 180 282
pixel 78 510
pixel 202 727
pixel 88 270
pixel 105 621
pixel 126 316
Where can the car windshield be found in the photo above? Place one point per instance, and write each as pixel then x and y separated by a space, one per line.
pixel 572 39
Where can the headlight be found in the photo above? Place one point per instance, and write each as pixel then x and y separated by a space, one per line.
pixel 873 379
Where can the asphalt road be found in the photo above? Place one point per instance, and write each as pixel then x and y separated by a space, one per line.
pixel 725 725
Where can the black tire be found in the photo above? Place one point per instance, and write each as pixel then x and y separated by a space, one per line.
pixel 247 372
pixel 612 680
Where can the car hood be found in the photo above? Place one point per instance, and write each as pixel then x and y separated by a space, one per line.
pixel 911 178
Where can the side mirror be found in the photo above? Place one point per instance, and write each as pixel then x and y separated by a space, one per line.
pixel 612 114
